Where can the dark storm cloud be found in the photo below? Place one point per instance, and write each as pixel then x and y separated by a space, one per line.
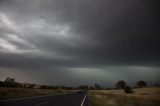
pixel 123 30
pixel 73 34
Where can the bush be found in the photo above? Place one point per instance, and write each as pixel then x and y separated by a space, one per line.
pixel 128 89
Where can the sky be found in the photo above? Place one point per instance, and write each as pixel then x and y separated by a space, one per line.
pixel 74 42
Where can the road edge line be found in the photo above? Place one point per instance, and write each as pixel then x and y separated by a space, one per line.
pixel 83 100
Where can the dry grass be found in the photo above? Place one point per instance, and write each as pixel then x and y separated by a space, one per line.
pixel 8 93
pixel 141 97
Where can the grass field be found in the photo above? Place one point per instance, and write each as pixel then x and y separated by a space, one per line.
pixel 141 97
pixel 8 93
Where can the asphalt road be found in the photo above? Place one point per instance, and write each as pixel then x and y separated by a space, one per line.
pixel 74 99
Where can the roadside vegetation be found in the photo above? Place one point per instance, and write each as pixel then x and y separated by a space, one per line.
pixel 10 89
pixel 9 93
pixel 123 95
pixel 140 97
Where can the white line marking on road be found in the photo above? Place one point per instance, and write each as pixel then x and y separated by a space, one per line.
pixel 40 104
pixel 84 99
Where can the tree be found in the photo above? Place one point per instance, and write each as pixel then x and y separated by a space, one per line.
pixel 10 80
pixel 91 88
pixel 83 87
pixel 141 84
pixel 157 85
pixel 121 84
pixel 97 86
pixel 2 84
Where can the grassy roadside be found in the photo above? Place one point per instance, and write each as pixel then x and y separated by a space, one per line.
pixel 9 93
pixel 141 97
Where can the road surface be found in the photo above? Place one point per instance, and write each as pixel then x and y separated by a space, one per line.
pixel 73 99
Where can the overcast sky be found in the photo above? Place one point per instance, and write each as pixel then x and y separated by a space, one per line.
pixel 73 42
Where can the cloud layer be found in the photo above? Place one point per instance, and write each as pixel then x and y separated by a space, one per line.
pixel 79 36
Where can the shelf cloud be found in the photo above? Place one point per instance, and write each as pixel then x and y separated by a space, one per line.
pixel 79 41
